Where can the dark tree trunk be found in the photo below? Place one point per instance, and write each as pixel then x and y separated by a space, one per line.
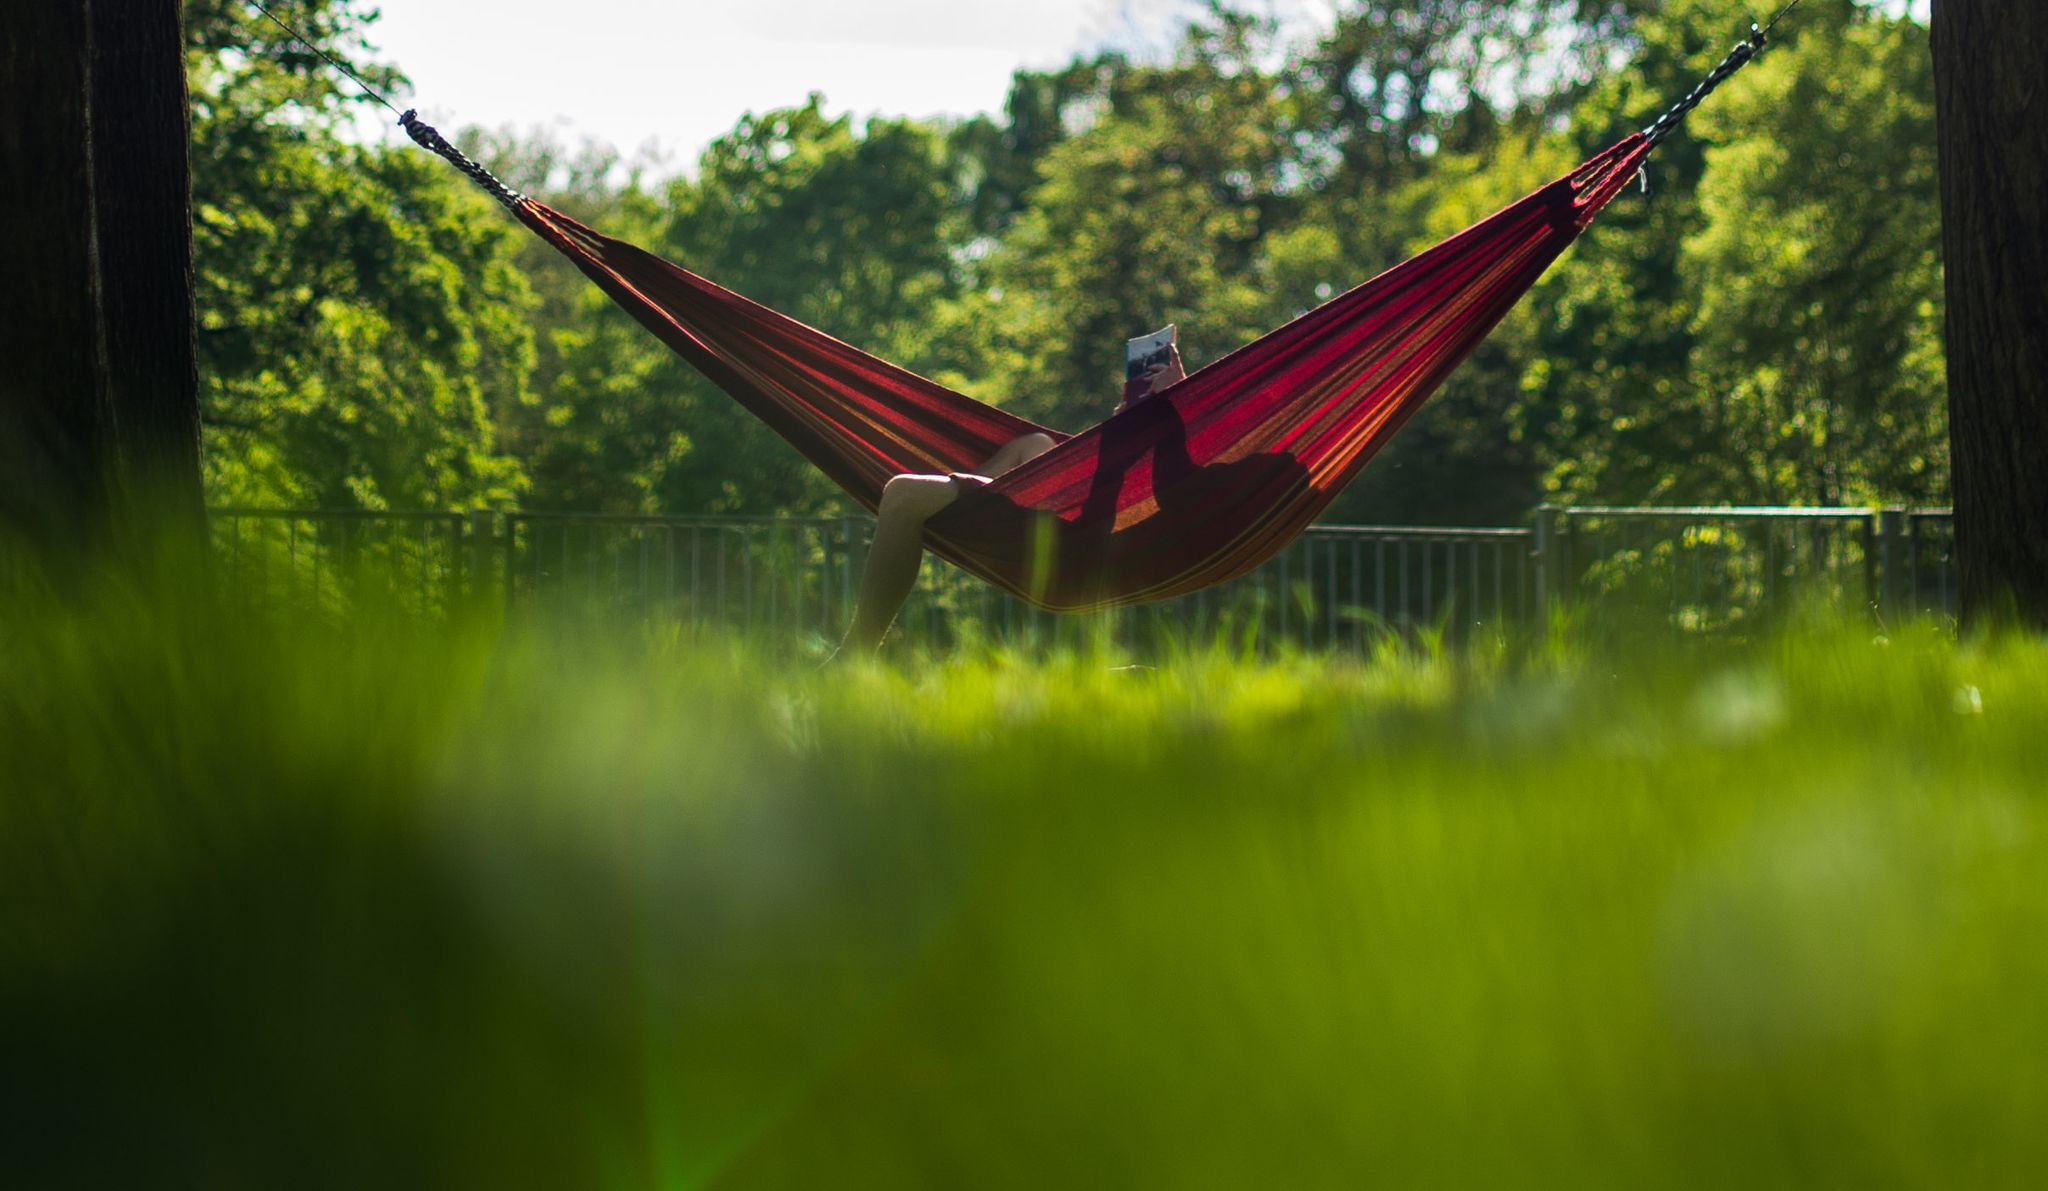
pixel 143 184
pixel 54 425
pixel 99 408
pixel 1991 108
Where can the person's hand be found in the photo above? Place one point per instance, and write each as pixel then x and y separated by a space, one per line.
pixel 1157 379
pixel 1160 377
pixel 1165 376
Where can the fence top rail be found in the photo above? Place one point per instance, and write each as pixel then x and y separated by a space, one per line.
pixel 239 512
pixel 1722 512
pixel 1432 532
pixel 711 520
pixel 685 521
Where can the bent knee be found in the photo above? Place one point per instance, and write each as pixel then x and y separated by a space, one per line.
pixel 914 495
pixel 1026 447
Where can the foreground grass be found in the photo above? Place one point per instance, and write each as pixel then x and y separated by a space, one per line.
pixel 381 908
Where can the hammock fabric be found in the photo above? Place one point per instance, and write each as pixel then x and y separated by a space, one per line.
pixel 1183 490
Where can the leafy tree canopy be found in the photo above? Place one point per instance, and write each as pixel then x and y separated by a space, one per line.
pixel 360 311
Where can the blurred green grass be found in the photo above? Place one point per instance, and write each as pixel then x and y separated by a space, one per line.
pixel 290 904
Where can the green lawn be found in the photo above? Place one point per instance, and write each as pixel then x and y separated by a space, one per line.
pixel 284 906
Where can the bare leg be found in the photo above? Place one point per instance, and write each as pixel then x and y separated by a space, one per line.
pixel 907 503
pixel 1016 452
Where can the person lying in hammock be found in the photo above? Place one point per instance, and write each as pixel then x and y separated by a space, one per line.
pixel 908 501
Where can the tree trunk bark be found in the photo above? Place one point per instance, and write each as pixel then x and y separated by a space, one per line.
pixel 54 425
pixel 99 405
pixel 143 186
pixel 1991 108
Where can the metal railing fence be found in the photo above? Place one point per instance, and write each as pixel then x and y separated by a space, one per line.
pixel 1333 585
pixel 341 560
pixel 1717 568
pixel 1700 569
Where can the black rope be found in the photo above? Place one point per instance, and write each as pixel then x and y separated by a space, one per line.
pixel 432 141
pixel 1738 58
pixel 303 40
pixel 1743 53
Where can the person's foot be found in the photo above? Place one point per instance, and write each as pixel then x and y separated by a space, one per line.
pixel 853 647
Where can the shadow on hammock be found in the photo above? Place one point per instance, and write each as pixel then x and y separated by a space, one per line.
pixel 1152 523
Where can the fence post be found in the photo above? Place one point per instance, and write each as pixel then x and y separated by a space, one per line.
pixel 508 551
pixel 1891 527
pixel 478 552
pixel 1548 576
pixel 845 584
pixel 457 562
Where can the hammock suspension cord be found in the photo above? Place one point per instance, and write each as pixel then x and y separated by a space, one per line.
pixel 1739 57
pixel 430 139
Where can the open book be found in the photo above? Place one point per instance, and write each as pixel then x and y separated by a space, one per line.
pixel 1143 354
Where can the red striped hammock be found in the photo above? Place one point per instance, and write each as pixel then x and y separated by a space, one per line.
pixel 1178 492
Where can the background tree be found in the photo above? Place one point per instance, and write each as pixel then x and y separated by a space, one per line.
pixel 101 402
pixel 1816 356
pixel 1152 209
pixel 996 160
pixel 1992 111
pixel 363 322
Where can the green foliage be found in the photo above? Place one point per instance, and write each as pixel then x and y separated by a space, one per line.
pixel 359 310
pixel 1818 262
pixel 1151 212
pixel 286 906
pixel 1765 329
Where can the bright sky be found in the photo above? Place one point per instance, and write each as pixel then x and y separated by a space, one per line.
pixel 673 74
pixel 670 75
